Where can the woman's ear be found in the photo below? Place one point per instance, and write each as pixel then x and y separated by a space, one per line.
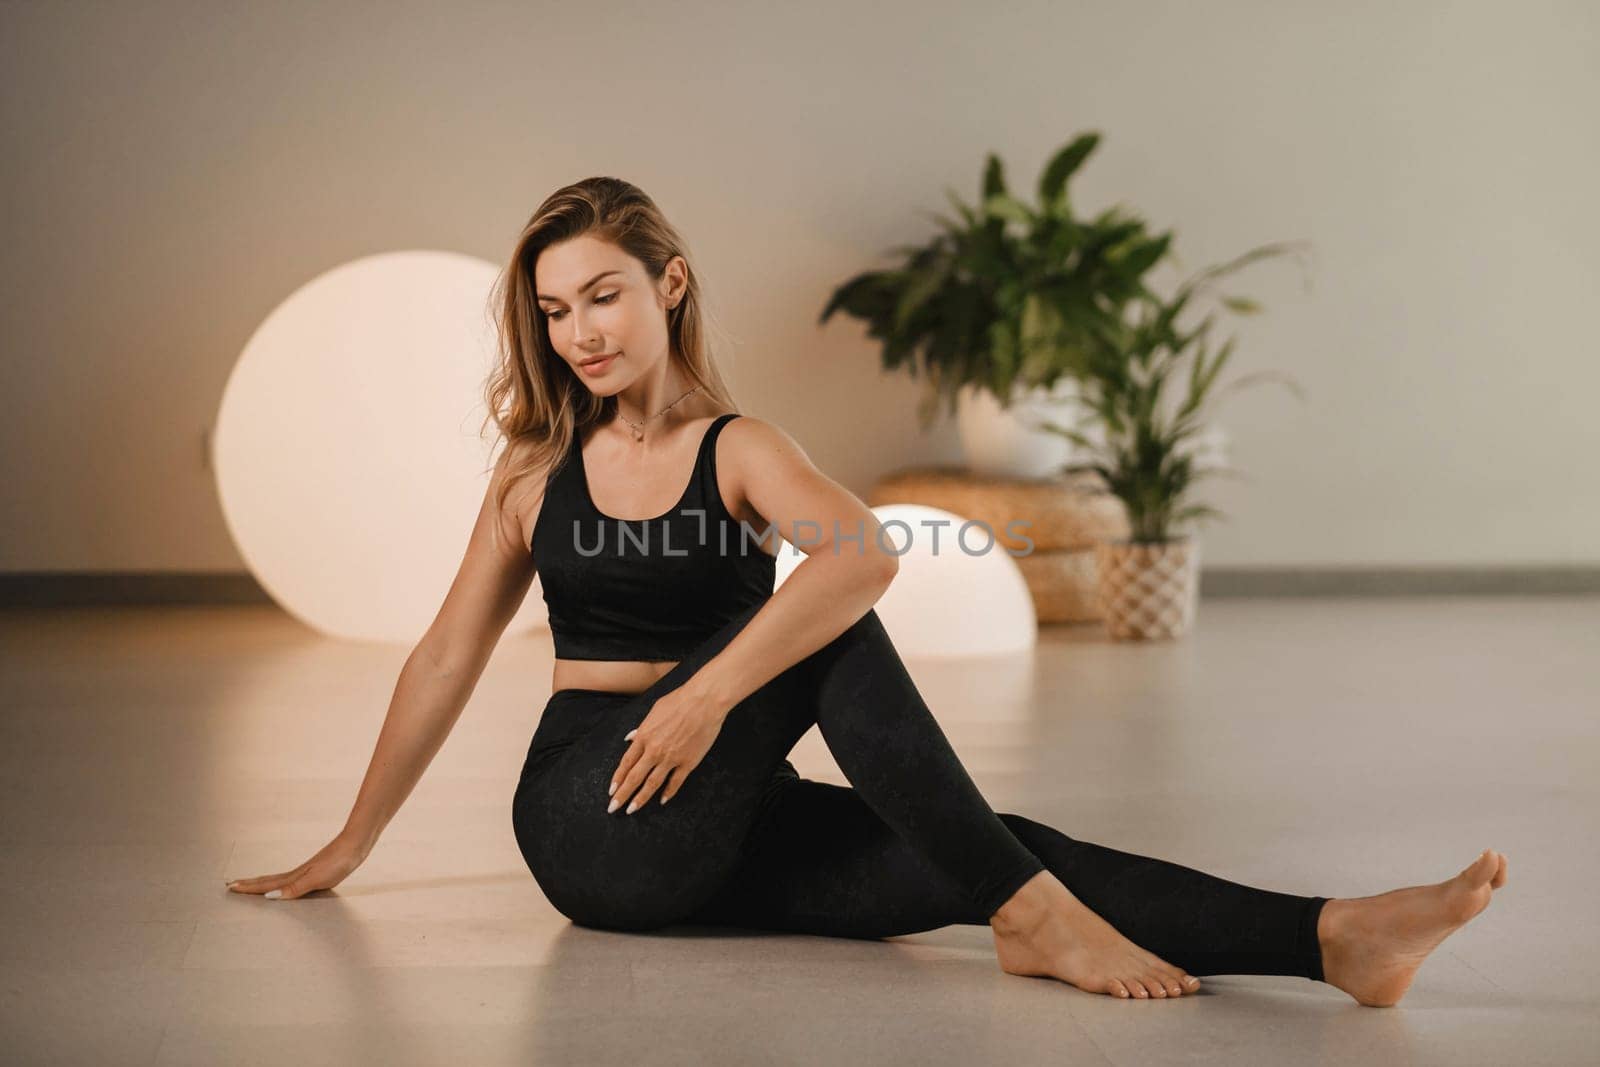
pixel 674 282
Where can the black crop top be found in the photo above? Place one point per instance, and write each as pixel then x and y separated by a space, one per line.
pixel 645 589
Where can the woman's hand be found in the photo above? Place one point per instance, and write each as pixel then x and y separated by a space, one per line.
pixel 671 741
pixel 326 869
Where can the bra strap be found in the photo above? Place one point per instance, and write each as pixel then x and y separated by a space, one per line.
pixel 705 469
pixel 710 446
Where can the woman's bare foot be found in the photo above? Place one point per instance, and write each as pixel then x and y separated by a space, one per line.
pixel 1044 931
pixel 1372 946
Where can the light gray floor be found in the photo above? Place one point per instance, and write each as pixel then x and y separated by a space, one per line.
pixel 1331 746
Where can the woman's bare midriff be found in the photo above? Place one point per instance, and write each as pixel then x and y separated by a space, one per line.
pixel 614 676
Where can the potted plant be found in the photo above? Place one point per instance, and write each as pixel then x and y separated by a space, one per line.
pixel 988 309
pixel 1148 585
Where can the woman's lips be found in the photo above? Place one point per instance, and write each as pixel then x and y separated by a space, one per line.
pixel 598 367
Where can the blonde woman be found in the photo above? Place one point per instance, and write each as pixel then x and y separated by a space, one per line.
pixel 657 788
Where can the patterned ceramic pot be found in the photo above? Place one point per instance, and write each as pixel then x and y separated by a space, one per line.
pixel 1147 591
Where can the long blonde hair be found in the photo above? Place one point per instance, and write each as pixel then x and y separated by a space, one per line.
pixel 533 397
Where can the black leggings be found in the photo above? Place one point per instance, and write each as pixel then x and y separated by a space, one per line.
pixel 913 846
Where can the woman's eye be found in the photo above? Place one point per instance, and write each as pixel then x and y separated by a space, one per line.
pixel 609 298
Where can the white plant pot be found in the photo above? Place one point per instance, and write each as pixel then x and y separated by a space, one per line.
pixel 997 442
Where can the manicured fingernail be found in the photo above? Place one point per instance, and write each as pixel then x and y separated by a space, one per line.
pixel 613 789
pixel 631 808
pixel 276 894
pixel 629 735
pixel 613 806
pixel 231 884
pixel 663 798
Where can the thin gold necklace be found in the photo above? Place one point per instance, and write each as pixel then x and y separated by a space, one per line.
pixel 638 427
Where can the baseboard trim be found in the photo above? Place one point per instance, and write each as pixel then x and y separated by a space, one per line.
pixel 104 589
pixel 73 589
pixel 1554 580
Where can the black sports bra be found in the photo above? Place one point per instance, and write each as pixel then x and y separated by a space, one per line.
pixel 645 589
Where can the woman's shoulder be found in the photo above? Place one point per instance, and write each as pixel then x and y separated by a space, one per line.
pixel 528 461
pixel 754 430
pixel 748 442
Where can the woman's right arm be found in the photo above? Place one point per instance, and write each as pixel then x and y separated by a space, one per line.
pixel 434 686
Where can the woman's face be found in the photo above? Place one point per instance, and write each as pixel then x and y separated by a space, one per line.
pixel 599 301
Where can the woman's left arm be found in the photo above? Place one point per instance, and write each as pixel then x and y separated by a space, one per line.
pixel 845 571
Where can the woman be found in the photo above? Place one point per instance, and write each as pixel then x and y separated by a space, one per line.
pixel 657 788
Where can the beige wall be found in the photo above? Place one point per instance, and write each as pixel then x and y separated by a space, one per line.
pixel 172 170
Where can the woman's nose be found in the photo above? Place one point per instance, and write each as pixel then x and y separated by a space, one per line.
pixel 580 336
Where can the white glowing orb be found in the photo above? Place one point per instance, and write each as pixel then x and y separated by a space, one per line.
pixel 944 601
pixel 348 452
